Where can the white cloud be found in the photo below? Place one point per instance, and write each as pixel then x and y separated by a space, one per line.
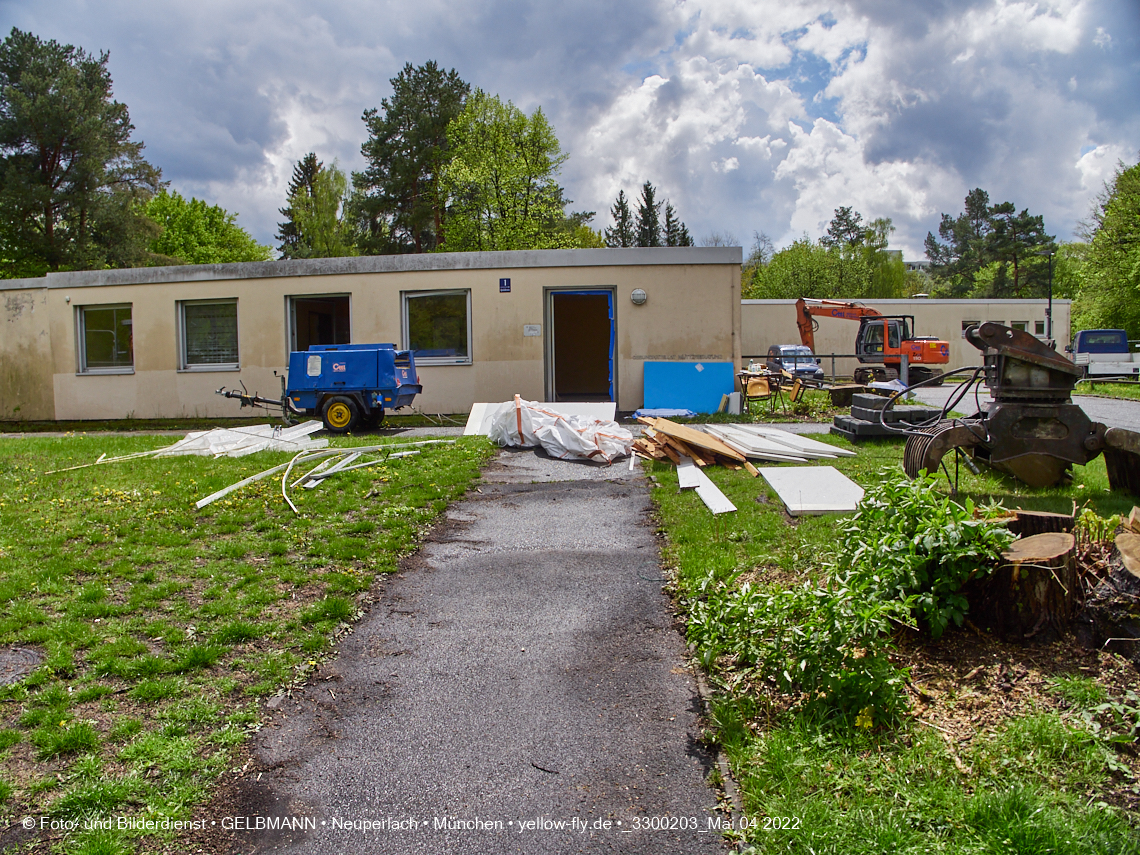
pixel 747 114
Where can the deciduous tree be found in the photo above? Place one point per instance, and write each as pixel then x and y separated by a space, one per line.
pixel 322 231
pixel 501 180
pixel 1110 277
pixel 196 233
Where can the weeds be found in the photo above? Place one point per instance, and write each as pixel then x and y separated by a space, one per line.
pixel 159 622
pixel 796 622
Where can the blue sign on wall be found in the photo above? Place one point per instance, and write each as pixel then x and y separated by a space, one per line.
pixel 504 286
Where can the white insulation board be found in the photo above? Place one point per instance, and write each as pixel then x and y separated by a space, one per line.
pixel 807 490
pixel 794 440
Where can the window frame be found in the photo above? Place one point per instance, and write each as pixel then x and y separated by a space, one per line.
pixel 81 339
pixel 407 296
pixel 184 365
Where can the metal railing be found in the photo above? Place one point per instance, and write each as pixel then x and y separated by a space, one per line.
pixel 818 358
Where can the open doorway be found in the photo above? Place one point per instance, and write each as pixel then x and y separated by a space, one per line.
pixel 581 345
pixel 320 319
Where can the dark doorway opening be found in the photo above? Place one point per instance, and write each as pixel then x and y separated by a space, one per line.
pixel 319 320
pixel 582 333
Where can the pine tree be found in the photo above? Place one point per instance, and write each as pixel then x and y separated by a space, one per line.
pixel 621 232
pixel 675 232
pixel 648 227
pixel 304 173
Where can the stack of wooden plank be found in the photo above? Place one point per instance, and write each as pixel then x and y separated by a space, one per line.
pixel 663 439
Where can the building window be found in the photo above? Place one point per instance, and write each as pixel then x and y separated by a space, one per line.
pixel 208 335
pixel 437 326
pixel 1020 325
pixel 106 344
pixel 1039 328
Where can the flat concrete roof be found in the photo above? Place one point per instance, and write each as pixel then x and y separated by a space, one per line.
pixel 918 301
pixel 530 258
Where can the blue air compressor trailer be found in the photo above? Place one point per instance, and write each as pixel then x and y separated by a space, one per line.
pixel 345 385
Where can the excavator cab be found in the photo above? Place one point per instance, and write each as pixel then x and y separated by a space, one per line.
pixel 871 333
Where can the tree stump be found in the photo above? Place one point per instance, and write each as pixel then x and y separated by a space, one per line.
pixel 1029 523
pixel 1111 617
pixel 1032 594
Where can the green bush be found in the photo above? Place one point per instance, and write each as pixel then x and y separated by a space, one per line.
pixel 905 554
pixel 914 544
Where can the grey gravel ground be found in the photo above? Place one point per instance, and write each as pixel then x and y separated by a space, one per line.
pixel 1109 411
pixel 523 667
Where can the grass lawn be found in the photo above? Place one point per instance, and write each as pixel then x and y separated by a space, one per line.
pixel 1099 389
pixel 996 748
pixel 162 626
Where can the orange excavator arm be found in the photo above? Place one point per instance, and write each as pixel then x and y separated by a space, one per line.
pixel 806 308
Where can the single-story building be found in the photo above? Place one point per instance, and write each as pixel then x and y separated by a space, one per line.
pixel 550 325
pixel 768 322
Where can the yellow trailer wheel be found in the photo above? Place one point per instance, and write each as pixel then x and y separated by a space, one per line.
pixel 341 414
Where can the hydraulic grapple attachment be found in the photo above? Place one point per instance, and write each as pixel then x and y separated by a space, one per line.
pixel 1032 429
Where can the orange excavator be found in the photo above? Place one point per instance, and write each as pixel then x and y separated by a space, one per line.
pixel 881 341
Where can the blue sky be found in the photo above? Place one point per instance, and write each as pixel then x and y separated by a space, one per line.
pixel 749 115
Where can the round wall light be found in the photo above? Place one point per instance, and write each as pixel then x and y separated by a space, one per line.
pixel 638 297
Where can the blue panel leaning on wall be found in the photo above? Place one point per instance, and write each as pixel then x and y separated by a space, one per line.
pixel 696 386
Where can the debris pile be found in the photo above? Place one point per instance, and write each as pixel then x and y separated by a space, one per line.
pixel 525 424
pixel 334 461
pixel 227 442
pixel 730 445
pixel 663 439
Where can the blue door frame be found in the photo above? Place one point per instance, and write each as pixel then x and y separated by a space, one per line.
pixel 609 295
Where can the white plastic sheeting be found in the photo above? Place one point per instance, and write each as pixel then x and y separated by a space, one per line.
pixel 527 424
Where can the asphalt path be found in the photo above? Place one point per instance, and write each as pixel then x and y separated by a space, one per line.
pixel 522 671
pixel 1112 412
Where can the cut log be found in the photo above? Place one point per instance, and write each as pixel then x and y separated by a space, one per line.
pixel 1134 520
pixel 1028 523
pixel 1032 594
pixel 1128 545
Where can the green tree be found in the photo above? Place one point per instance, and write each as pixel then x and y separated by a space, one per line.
pixel 845 231
pixel 1109 296
pixel 71 177
pixel 304 171
pixel 648 224
pixel 808 269
pixel 322 231
pixel 621 233
pixel 759 256
pixel 500 181
pixel 887 273
pixel 196 233
pixel 956 262
pixel 673 231
pixel 990 251
pixel 399 201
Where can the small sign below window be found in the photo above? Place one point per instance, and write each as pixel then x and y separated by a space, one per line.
pixel 532 329
pixel 504 286
pixel 313 366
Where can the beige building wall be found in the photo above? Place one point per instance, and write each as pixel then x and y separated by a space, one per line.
pixel 692 312
pixel 25 354
pixel 768 322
